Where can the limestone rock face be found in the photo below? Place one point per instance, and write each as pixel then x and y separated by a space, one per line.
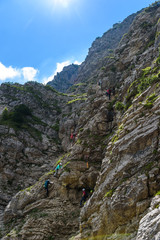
pixel 118 160
pixel 100 54
pixel 129 178
pixel 65 79
pixel 149 227
pixel 30 147
pixel 102 50
pixel 39 217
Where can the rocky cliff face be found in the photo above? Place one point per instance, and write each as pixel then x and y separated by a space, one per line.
pixel 119 160
pixel 129 175
pixel 102 50
pixel 65 79
pixel 29 127
pixel 100 53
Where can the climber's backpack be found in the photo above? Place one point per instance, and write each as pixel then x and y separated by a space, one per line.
pixel 46 184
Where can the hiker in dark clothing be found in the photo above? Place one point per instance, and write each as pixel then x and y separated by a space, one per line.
pixel 47 182
pixel 108 93
pixel 84 196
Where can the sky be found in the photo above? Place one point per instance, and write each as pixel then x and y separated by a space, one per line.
pixel 39 37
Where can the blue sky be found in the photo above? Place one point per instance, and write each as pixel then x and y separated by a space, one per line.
pixel 40 37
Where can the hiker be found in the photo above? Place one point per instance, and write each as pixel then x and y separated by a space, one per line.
pixel 47 182
pixel 71 136
pixel 108 93
pixel 59 166
pixel 84 196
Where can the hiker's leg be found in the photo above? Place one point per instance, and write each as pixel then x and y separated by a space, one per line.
pixel 47 192
pixel 56 172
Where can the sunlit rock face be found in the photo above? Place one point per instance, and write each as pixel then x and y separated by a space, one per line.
pixel 65 79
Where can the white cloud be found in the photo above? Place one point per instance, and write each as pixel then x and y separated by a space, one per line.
pixel 8 72
pixel 29 73
pixel 22 74
pixel 59 68
pixel 76 62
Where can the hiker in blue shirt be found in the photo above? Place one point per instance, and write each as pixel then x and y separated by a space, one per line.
pixel 59 166
pixel 47 182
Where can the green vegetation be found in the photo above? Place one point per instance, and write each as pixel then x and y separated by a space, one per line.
pixel 36 213
pixel 116 136
pixel 109 193
pixel 158 193
pixel 103 68
pixel 16 117
pixel 111 56
pixel 75 86
pixel 114 139
pixel 149 76
pixel 48 87
pixel 113 68
pixel 20 118
pixel 77 99
pixel 36 120
pixel 50 172
pixel 157 34
pixel 111 104
pixel 56 126
pixel 78 141
pixel 148 105
pixel 50 238
pixel 119 106
pixel 146 25
pixel 155 151
pixel 150 100
pixel 146 71
pixel 125 34
pixel 80 84
pixel 148 167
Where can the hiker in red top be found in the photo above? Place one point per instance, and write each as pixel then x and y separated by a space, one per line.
pixel 84 196
pixel 71 137
pixel 108 93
